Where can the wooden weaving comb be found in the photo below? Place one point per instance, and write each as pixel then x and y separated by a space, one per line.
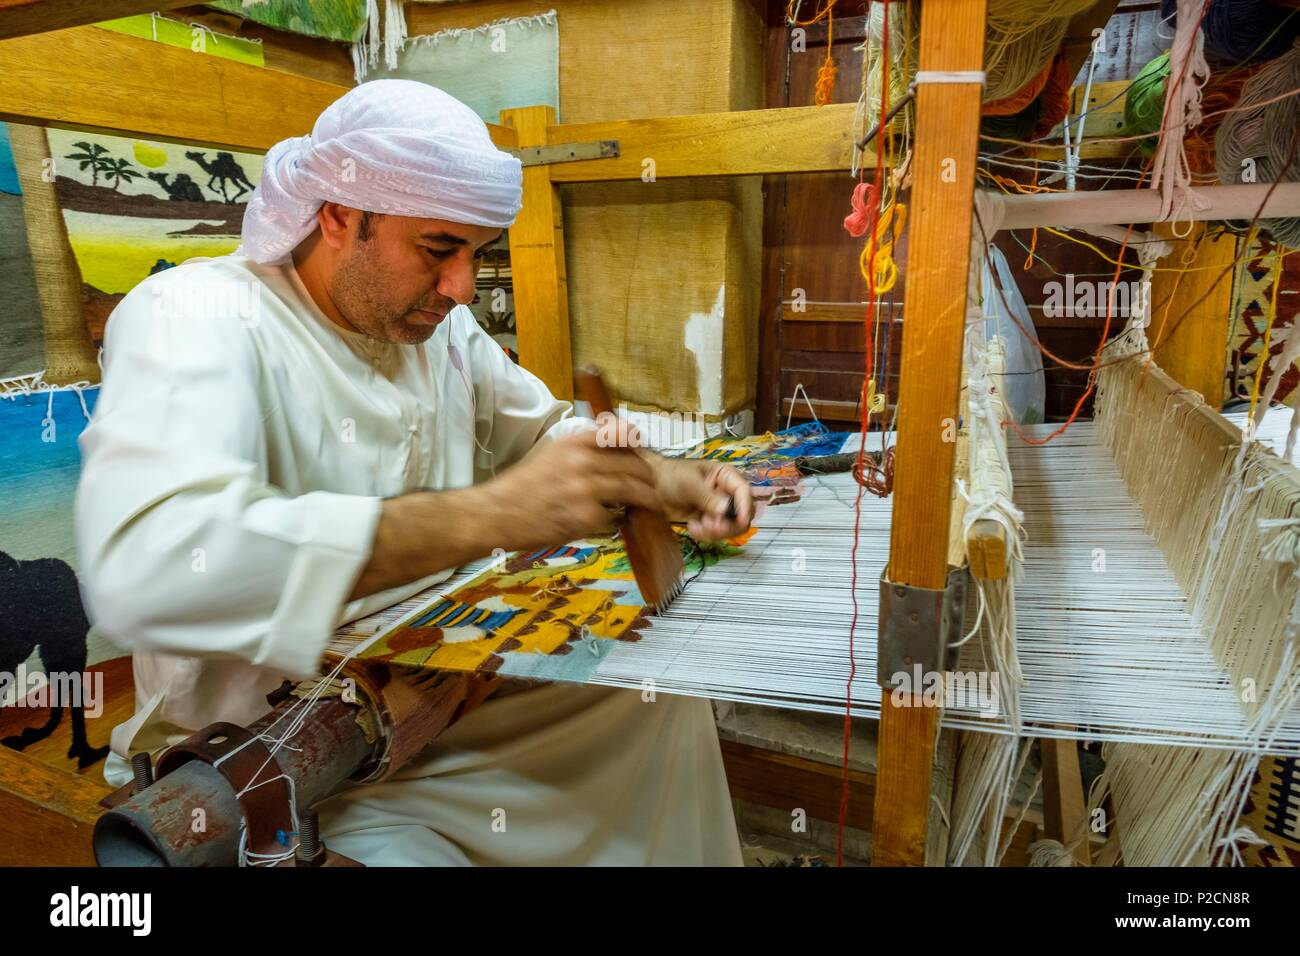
pixel 652 547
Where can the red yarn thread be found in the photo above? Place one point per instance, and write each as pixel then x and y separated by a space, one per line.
pixel 863 201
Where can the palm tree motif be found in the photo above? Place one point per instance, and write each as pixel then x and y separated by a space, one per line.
pixel 117 171
pixel 92 155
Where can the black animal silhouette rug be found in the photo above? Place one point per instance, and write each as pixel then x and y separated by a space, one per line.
pixel 41 611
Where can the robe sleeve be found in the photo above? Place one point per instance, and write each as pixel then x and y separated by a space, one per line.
pixel 515 409
pixel 184 546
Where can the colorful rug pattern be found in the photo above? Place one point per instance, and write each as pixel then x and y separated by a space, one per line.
pixel 134 207
pixel 1273 813
pixel 769 461
pixel 1253 297
pixel 541 614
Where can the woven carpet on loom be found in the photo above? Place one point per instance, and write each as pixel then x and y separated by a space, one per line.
pixel 1252 301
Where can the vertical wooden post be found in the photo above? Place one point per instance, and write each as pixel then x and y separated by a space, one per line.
pixel 541 288
pixel 1065 815
pixel 943 186
pixel 1193 352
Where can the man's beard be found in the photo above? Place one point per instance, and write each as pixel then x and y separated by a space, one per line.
pixel 357 291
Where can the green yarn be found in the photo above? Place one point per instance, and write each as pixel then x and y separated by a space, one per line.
pixel 1019 126
pixel 1144 107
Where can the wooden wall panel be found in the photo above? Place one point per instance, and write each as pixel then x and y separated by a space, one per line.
pixel 644 258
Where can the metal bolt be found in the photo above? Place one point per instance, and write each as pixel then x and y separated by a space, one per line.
pixel 310 851
pixel 142 767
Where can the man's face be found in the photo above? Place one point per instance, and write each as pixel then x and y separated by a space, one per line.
pixel 397 277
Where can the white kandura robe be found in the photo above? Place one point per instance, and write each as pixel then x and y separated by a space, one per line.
pixel 230 489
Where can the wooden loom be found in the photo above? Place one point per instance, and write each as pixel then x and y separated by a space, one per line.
pixel 50 812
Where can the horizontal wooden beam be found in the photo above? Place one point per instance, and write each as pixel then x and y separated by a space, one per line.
pixel 787 782
pixel 93 79
pixel 24 17
pixel 1112 206
pixel 86 78
pixel 46 814
pixel 801 139
pixel 852 312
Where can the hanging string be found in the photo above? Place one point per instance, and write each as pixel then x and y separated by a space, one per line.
pixel 865 420
pixel 864 198
pixel 826 74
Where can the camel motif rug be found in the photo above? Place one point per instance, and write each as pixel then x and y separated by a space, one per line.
pixel 134 207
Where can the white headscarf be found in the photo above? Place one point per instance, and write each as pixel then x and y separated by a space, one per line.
pixel 387 146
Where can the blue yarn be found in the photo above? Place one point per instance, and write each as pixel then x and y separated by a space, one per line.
pixel 1243 31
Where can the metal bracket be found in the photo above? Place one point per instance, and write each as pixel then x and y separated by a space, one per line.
pixel 566 152
pixel 918 626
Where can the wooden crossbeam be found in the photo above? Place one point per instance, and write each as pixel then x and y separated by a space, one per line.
pixel 943 185
pixel 99 80
pixel 47 813
pixel 86 78
pixel 24 17
pixel 800 139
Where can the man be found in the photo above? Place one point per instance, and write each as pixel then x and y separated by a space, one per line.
pixel 314 428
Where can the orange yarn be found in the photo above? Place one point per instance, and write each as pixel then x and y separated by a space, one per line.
pixel 1056 97
pixel 1017 101
pixel 825 81
pixel 825 88
pixel 1220 93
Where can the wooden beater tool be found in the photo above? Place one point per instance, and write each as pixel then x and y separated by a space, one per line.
pixel 652 547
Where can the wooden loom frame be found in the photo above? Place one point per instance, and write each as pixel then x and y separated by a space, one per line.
pixel 47 812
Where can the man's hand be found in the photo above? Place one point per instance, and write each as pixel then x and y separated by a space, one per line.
pixel 700 493
pixel 563 489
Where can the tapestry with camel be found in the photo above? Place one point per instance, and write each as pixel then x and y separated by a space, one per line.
pixel 134 207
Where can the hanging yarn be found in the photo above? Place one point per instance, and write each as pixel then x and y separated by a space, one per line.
pixel 825 87
pixel 1254 141
pixel 1020 126
pixel 862 201
pixel 1012 19
pixel 884 271
pixel 1054 101
pixel 1144 106
pixel 1018 100
pixel 1010 64
pixel 900 65
pixel 1244 31
pixel 1188 71
pixel 1218 97
pixel 1145 103
pixel 1021 41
